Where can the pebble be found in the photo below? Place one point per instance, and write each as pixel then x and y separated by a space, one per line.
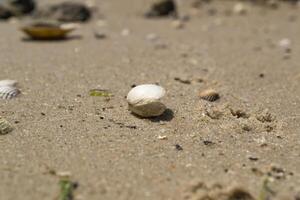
pixel 125 32
pixel 151 37
pixel 177 24
pixel 240 9
pixel 162 137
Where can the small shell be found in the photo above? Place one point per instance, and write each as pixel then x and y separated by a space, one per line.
pixel 8 92
pixel 47 31
pixel 8 83
pixel 5 126
pixel 144 100
pixel 209 95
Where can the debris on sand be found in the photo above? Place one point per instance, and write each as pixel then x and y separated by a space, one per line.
pixel 266 192
pixel 65 12
pixel 178 147
pixel 202 191
pixel 214 113
pixel 152 37
pixel 10 8
pixel 67 188
pixel 162 9
pixel 100 93
pixel 182 80
pixel 100 35
pixel 265 116
pixel 162 137
pixel 177 24
pixel 125 32
pixel 240 9
pixel 47 30
pixel 285 44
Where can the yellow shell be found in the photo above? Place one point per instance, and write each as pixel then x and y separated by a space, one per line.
pixel 44 31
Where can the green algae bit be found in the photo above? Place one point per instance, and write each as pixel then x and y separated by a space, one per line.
pixel 66 189
pixel 100 93
pixel 266 192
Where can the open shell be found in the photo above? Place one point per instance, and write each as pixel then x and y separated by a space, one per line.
pixel 47 31
pixel 144 100
pixel 5 126
pixel 8 92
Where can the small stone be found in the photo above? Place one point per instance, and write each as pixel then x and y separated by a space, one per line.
pixel 213 113
pixel 100 35
pixel 178 147
pixel 285 44
pixel 162 137
pixel 151 37
pixel 184 81
pixel 240 9
pixel 125 32
pixel 177 24
pixel 265 116
pixel 161 9
pixel 207 142
pixel 246 127
pixel 66 12
pixel 253 158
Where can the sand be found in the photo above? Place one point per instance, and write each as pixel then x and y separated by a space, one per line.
pixel 251 134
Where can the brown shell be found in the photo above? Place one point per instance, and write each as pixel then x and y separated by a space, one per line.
pixel 209 95
pixel 5 126
pixel 45 31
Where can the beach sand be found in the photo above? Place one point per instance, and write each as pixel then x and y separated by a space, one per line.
pixel 249 135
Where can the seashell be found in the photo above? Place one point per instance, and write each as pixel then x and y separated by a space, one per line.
pixel 8 92
pixel 5 126
pixel 47 31
pixel 144 100
pixel 209 95
pixel 8 83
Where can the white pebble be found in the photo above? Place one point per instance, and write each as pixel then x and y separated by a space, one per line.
pixel 125 32
pixel 239 8
pixel 285 43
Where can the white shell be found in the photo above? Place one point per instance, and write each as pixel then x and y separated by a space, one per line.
pixel 8 92
pixel 8 83
pixel 144 100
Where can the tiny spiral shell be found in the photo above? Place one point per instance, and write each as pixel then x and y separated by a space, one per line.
pixel 8 92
